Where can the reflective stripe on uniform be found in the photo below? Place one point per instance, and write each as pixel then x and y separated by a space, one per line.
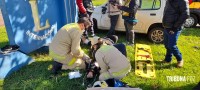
pixel 72 25
pixel 72 62
pixel 104 48
pixel 59 58
pixel 122 72
pixel 56 56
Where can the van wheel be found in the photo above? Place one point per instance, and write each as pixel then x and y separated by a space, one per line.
pixel 191 21
pixel 156 35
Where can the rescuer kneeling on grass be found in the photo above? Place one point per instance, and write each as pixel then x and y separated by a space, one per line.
pixel 65 47
pixel 112 63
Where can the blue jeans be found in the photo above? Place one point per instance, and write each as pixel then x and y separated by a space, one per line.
pixel 130 36
pixel 170 42
pixel 122 48
pixel 113 21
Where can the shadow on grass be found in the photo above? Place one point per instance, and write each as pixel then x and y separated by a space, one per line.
pixel 37 76
pixel 139 38
pixel 191 32
pixel 160 66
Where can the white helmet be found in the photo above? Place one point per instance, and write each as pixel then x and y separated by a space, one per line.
pixel 94 40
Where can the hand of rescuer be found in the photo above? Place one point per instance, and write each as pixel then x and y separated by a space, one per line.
pixel 90 74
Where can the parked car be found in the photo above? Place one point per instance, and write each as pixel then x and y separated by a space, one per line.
pixel 194 18
pixel 149 16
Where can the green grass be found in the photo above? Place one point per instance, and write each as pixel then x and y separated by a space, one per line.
pixel 147 4
pixel 3 36
pixel 98 2
pixel 36 75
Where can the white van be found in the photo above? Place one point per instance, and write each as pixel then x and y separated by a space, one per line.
pixel 149 16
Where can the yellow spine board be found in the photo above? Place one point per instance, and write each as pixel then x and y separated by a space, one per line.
pixel 144 65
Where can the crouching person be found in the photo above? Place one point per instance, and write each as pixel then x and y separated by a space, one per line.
pixel 109 40
pixel 65 47
pixel 112 63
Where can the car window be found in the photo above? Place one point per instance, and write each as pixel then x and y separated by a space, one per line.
pixel 150 4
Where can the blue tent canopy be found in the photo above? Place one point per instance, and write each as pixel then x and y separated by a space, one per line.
pixel 32 24
pixel 12 62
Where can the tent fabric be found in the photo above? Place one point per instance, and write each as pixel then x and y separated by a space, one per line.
pixel 32 24
pixel 12 62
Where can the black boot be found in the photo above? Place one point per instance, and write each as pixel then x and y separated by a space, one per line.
pixel 56 67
